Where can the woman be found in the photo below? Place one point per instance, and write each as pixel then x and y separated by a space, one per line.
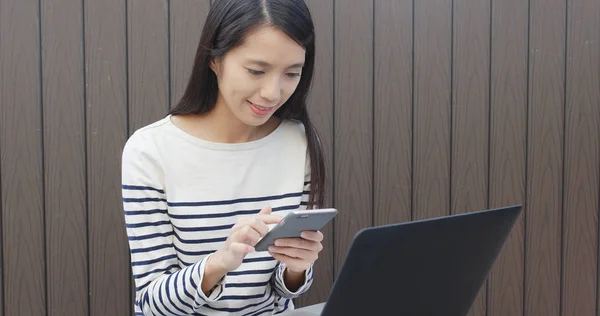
pixel 236 153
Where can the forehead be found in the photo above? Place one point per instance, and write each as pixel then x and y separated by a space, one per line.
pixel 272 46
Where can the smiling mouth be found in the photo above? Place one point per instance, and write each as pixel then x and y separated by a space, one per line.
pixel 260 107
pixel 260 110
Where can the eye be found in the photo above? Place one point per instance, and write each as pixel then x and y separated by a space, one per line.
pixel 293 74
pixel 255 72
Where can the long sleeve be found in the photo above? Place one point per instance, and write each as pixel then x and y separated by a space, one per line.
pixel 277 279
pixel 162 287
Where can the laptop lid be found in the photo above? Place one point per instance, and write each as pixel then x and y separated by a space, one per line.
pixel 426 267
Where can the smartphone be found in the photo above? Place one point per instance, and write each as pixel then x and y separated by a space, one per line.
pixel 294 223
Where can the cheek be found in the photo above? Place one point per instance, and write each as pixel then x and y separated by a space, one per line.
pixel 289 89
pixel 236 86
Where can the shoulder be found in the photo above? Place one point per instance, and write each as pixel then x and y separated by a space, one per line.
pixel 293 130
pixel 143 140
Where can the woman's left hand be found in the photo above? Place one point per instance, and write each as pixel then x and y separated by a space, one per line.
pixel 298 254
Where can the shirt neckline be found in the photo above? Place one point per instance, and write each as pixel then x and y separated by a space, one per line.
pixel 225 146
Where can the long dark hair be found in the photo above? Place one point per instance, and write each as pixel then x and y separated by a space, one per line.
pixel 226 26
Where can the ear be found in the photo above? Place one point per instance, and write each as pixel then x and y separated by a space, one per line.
pixel 214 65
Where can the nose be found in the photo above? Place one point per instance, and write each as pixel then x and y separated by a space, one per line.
pixel 271 91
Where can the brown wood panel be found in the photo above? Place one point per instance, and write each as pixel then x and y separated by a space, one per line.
pixel 353 122
pixel 186 20
pixel 432 108
pixel 64 157
pixel 545 157
pixel 1 211
pixel 368 117
pixel 22 160
pixel 106 109
pixel 470 114
pixel 320 107
pixel 392 111
pixel 148 55
pixel 582 159
pixel 508 123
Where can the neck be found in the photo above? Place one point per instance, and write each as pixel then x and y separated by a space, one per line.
pixel 222 126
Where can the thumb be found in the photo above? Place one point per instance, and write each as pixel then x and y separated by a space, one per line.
pixel 265 210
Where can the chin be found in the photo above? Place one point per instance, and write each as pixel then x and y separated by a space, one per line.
pixel 252 120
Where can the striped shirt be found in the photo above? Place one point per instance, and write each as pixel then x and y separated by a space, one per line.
pixel 182 195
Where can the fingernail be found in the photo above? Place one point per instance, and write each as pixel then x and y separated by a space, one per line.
pixel 278 243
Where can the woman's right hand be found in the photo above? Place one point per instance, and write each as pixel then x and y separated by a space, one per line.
pixel 244 235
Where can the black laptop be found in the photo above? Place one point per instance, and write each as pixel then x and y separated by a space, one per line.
pixel 427 267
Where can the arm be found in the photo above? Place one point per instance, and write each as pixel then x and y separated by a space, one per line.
pixel 292 284
pixel 162 287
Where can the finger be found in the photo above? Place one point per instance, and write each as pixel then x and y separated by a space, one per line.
pixel 246 235
pixel 302 254
pixel 258 225
pixel 265 210
pixel 261 222
pixel 292 263
pixel 239 247
pixel 269 219
pixel 312 235
pixel 299 243
pixel 252 222
pixel 258 222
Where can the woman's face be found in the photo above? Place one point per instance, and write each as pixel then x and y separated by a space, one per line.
pixel 260 75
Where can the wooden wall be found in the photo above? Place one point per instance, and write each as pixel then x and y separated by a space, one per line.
pixel 426 108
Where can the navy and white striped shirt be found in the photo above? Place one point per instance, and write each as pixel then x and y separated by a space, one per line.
pixel 182 195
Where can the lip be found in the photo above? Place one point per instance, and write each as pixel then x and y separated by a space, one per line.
pixel 259 111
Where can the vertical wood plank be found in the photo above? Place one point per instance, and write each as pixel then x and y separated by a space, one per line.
pixel 545 157
pixel 393 111
pixel 1 212
pixel 353 121
pixel 64 157
pixel 22 159
pixel 1 182
pixel 320 107
pixel 470 114
pixel 148 56
pixel 186 22
pixel 508 126
pixel 432 86
pixel 582 159
pixel 106 109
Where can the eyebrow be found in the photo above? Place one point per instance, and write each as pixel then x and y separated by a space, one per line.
pixel 267 65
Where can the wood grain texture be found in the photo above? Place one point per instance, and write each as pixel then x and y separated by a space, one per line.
pixel 62 82
pixel 470 114
pixel 22 161
pixel 508 145
pixel 545 157
pixel 186 19
pixel 64 157
pixel 353 121
pixel 148 56
pixel 106 109
pixel 582 159
pixel 1 212
pixel 320 107
pixel 393 111
pixel 432 115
